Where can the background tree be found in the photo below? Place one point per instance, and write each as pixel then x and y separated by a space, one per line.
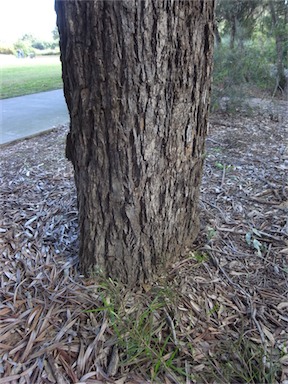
pixel 24 44
pixel 279 19
pixel 55 35
pixel 238 18
pixel 253 61
pixel 137 83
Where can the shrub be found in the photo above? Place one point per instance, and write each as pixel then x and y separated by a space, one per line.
pixel 6 50
pixel 239 68
pixel 22 46
pixel 41 45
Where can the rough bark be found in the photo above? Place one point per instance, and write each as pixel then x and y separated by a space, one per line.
pixel 137 84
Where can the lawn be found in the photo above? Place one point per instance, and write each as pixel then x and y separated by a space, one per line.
pixel 26 76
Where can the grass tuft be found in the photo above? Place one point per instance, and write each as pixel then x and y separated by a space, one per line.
pixel 242 361
pixel 152 338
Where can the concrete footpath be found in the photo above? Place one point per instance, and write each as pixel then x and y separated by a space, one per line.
pixel 26 116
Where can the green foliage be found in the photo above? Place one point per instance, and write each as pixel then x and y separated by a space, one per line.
pixel 223 167
pixel 55 34
pixel 6 49
pixel 23 46
pixel 199 256
pixel 41 45
pixel 28 43
pixel 240 12
pixel 147 332
pixel 254 50
pixel 211 233
pixel 28 38
pixel 242 361
pixel 144 330
pixel 280 8
pixel 51 52
pixel 254 243
pixel 236 69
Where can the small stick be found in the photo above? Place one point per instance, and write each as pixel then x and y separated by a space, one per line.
pixel 171 324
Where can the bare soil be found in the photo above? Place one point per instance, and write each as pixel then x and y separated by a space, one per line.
pixel 234 283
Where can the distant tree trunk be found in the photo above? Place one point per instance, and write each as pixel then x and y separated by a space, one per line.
pixel 137 84
pixel 281 79
pixel 217 35
pixel 233 32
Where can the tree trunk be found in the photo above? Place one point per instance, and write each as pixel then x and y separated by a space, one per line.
pixel 137 84
pixel 218 39
pixel 233 32
pixel 281 78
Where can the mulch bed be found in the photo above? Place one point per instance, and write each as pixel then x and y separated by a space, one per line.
pixel 241 287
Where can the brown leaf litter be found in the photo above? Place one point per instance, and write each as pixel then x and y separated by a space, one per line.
pixel 48 335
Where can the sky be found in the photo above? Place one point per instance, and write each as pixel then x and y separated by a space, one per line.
pixel 20 17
